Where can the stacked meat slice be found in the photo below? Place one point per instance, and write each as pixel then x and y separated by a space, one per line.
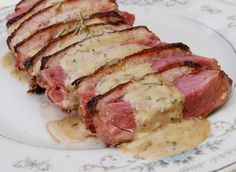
pixel 86 56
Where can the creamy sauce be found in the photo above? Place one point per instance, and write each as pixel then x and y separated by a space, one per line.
pixel 68 130
pixel 92 57
pixel 88 62
pixel 63 128
pixel 156 103
pixel 170 140
pixel 8 62
pixel 77 37
pixel 95 30
pixel 130 71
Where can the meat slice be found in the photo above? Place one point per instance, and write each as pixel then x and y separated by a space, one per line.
pixel 135 109
pixel 204 92
pixel 149 103
pixel 67 10
pixel 109 76
pixel 26 11
pixel 61 69
pixel 62 35
pixel 153 60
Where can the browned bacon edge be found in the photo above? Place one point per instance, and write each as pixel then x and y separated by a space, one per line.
pixel 13 20
pixel 129 58
pixel 46 58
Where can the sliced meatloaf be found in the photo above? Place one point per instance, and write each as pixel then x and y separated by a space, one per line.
pixel 61 69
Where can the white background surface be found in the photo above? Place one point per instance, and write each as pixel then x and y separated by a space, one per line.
pixel 7 2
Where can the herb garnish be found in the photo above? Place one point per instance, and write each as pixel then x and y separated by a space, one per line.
pixel 58 6
pixel 80 27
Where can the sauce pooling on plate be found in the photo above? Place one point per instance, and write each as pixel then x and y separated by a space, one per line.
pixel 170 140
pixel 8 62
pixel 68 130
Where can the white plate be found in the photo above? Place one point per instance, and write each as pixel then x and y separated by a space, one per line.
pixel 25 145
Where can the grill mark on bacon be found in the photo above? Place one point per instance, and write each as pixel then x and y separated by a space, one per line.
pixel 32 60
pixel 46 58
